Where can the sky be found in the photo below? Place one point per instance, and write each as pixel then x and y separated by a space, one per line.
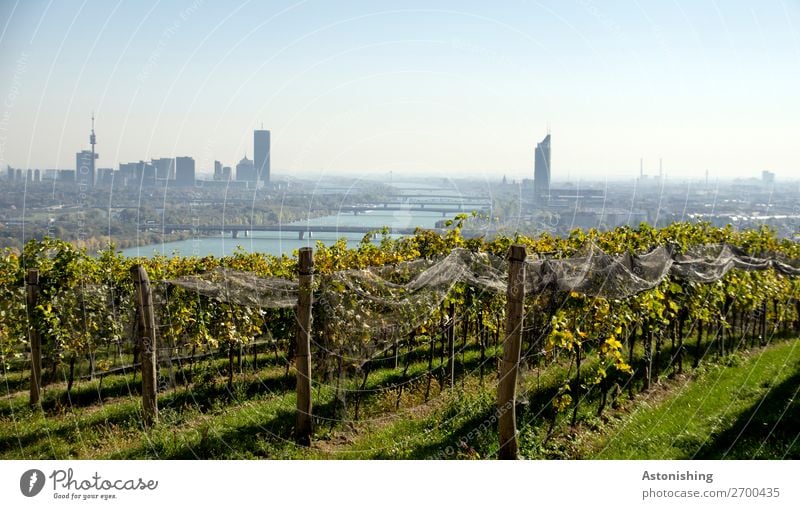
pixel 429 88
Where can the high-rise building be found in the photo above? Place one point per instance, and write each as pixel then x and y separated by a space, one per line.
pixel 246 170
pixel 184 171
pixel 261 149
pixel 541 171
pixel 222 173
pixel 11 173
pixel 65 175
pixel 137 174
pixel 165 168
pixel 84 168
pixel 105 176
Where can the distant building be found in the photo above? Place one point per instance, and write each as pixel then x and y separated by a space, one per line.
pixel 65 175
pixel 127 173
pixel 10 173
pixel 261 149
pixel 222 184
pixel 37 176
pixel 541 172
pixel 222 173
pixel 105 176
pixel 137 174
pixel 165 168
pixel 184 171
pixel 768 177
pixel 19 174
pixel 246 170
pixel 84 167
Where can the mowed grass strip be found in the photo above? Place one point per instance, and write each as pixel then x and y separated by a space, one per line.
pixel 745 408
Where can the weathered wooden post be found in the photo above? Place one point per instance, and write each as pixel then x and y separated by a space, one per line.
pixel 507 389
pixel 450 332
pixel 32 298
pixel 304 424
pixel 146 342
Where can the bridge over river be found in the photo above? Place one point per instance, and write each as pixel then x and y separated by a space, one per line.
pixel 301 230
pixel 443 209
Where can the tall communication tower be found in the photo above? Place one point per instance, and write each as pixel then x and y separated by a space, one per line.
pixel 92 138
pixel 93 142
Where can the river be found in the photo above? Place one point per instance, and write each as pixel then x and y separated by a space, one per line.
pixel 277 243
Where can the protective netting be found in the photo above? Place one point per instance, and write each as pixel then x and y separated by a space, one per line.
pixel 242 288
pixel 707 264
pixel 598 274
pixel 360 313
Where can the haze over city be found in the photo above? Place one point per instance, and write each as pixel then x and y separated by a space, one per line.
pixel 364 88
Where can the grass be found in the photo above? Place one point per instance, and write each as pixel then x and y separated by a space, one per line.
pixel 721 410
pixel 746 408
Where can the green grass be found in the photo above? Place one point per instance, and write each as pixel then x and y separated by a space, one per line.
pixel 746 410
pixel 734 402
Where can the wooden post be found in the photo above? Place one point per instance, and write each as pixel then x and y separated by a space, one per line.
pixel 32 298
pixel 507 389
pixel 304 424
pixel 451 344
pixel 146 343
pixel 647 336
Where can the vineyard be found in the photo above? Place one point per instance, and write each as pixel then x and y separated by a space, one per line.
pixel 504 343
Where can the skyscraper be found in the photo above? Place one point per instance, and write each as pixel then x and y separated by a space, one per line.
pixel 184 171
pixel 221 172
pixel 541 172
pixel 245 170
pixel 165 168
pixel 138 174
pixel 84 168
pixel 261 149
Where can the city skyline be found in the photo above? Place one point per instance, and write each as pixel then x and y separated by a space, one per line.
pixel 460 89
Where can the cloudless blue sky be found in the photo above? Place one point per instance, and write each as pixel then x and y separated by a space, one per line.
pixel 425 87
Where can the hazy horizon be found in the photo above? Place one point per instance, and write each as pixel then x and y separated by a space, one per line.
pixel 366 88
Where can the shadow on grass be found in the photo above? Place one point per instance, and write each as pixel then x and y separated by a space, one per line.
pixel 57 401
pixel 769 429
pixel 128 415
pixel 120 415
pixel 268 439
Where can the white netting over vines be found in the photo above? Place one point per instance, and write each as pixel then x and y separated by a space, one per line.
pixel 707 264
pixel 242 288
pixel 598 274
pixel 360 313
